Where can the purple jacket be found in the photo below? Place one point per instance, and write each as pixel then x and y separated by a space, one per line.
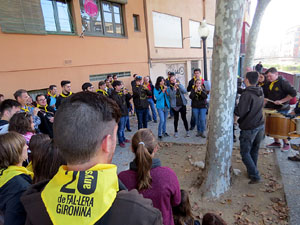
pixel 164 191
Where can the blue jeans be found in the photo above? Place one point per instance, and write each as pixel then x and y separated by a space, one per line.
pixel 121 129
pixel 127 123
pixel 142 117
pixel 163 115
pixel 200 118
pixel 152 106
pixel 249 146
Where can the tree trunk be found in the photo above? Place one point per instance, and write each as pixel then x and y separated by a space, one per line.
pixel 227 37
pixel 253 34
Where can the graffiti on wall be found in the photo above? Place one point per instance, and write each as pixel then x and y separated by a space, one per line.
pixel 179 70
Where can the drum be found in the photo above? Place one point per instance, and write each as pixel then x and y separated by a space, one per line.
pixel 277 125
pixel 295 128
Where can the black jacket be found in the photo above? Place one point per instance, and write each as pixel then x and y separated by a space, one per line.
pixel 10 203
pixel 121 100
pixel 250 108
pixel 60 99
pixel 128 208
pixel 46 127
pixel 198 99
pixel 140 97
pixel 280 90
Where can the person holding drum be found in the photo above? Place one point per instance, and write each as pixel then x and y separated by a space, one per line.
pixel 277 96
pixel 251 123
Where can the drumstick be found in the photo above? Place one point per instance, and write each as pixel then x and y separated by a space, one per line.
pixel 269 100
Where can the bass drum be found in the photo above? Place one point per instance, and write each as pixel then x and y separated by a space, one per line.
pixel 277 125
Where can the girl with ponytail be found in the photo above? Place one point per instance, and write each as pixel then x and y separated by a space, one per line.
pixel 160 184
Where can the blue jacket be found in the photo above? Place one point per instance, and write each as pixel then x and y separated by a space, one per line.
pixel 161 98
pixel 172 92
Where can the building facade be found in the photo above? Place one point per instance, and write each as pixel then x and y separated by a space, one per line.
pixel 173 38
pixel 44 42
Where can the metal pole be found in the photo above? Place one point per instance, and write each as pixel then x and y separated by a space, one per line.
pixel 204 57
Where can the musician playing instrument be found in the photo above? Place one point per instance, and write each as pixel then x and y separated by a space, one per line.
pixel 178 104
pixel 120 95
pixel 278 95
pixel 151 100
pixel 140 101
pixel 46 115
pixel 199 107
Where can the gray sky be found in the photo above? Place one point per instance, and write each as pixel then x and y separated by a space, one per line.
pixel 279 16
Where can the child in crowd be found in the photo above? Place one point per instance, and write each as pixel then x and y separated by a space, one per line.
pixel 183 212
pixel 160 184
pixel 22 123
pixel 199 107
pixel 14 179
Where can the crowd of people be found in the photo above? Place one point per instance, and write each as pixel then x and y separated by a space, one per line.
pixel 56 151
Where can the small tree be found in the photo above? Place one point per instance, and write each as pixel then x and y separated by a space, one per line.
pixel 253 33
pixel 227 36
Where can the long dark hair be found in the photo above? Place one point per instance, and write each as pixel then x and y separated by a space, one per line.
pixel 46 160
pixel 143 144
pixel 183 212
pixel 212 219
pixel 158 80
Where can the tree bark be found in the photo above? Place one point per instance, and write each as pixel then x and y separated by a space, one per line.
pixel 253 34
pixel 227 37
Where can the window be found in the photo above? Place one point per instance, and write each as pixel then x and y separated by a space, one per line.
pixel 195 40
pixel 167 30
pixel 101 18
pixel 136 23
pixel 98 77
pixel 35 16
pixel 57 16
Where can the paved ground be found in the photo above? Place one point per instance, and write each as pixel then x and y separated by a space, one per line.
pixel 290 171
pixel 124 155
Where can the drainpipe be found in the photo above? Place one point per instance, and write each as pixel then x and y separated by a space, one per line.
pixel 147 34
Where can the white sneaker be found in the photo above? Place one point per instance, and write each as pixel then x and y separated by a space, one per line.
pixel 176 134
pixel 187 134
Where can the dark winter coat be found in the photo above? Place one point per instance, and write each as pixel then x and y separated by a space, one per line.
pixel 250 108
pixel 198 99
pixel 10 204
pixel 128 208
pixel 280 90
pixel 121 100
pixel 140 97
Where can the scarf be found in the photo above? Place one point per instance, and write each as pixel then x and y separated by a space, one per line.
pixel 53 96
pixel 102 91
pixel 6 174
pixel 272 84
pixel 65 96
pixel 81 197
pixel 25 108
pixel 43 107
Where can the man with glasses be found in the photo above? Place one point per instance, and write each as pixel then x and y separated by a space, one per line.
pixel 46 115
